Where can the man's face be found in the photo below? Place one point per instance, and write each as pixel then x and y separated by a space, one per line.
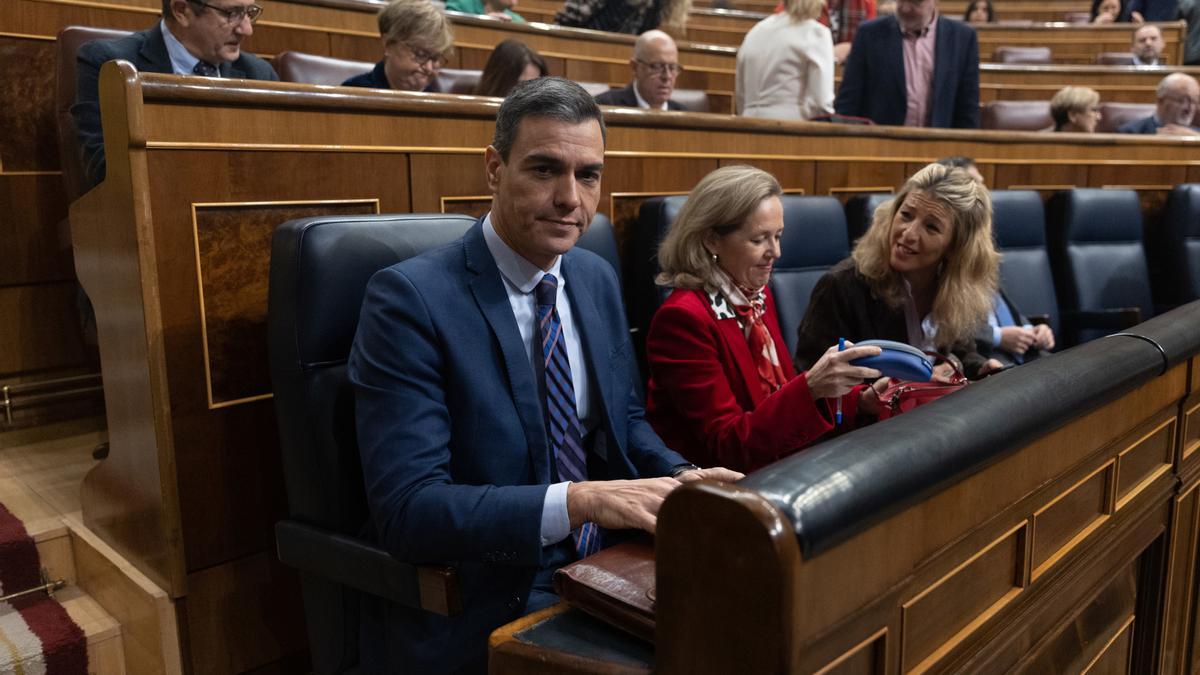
pixel 1148 43
pixel 915 15
pixel 655 72
pixel 1178 105
pixel 208 33
pixel 544 196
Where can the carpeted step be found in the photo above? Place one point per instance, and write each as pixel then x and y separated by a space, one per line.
pixel 37 635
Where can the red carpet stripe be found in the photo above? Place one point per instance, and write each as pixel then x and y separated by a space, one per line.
pixel 19 564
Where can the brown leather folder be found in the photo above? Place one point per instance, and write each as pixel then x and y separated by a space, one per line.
pixel 615 585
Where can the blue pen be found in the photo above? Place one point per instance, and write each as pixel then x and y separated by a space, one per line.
pixel 841 348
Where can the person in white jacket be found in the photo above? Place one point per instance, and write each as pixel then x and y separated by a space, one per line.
pixel 785 65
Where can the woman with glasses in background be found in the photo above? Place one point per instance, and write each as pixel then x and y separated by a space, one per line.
pixel 785 65
pixel 416 41
pixel 1076 109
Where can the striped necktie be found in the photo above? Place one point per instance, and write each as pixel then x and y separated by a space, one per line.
pixel 562 421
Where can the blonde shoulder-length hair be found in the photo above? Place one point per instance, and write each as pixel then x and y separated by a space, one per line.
pixel 718 205
pixel 967 277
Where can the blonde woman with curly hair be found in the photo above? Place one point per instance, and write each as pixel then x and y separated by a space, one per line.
pixel 721 384
pixel 925 273
pixel 785 65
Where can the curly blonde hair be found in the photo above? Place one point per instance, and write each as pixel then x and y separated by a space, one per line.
pixel 967 280
pixel 719 204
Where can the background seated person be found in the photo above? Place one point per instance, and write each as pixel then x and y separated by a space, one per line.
pixel 500 9
pixel 1148 46
pixel 1075 109
pixel 1009 337
pixel 512 61
pixel 655 66
pixel 924 273
pixel 722 388
pixel 1178 97
pixel 497 408
pixel 1112 11
pixel 416 41
pixel 785 65
pixel 632 17
pixel 979 12
pixel 193 38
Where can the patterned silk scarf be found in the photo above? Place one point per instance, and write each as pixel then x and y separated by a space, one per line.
pixel 731 301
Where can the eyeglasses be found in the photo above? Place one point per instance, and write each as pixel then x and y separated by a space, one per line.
pixel 422 57
pixel 235 15
pixel 661 69
pixel 1181 100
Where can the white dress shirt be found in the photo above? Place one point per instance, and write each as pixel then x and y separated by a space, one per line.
pixel 182 61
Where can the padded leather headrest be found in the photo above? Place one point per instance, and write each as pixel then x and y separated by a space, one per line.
pixel 328 260
pixel 1114 115
pixel 860 210
pixel 1016 115
pixel 1008 54
pixel 814 232
pixel 692 100
pixel 1115 58
pixel 458 81
pixel 1018 218
pixel 1096 215
pixel 313 69
pixel 1178 246
pixel 601 240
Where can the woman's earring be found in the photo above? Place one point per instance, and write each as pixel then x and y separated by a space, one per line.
pixel 714 256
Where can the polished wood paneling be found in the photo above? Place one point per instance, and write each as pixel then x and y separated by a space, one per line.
pixel 1149 457
pixel 30 138
pixel 866 658
pixel 39 328
pixel 1071 516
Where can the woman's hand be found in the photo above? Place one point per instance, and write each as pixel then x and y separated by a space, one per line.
pixel 869 403
pixel 990 366
pixel 832 375
pixel 1016 339
pixel 1043 336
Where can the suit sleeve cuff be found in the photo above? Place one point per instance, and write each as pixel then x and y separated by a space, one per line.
pixel 996 336
pixel 556 524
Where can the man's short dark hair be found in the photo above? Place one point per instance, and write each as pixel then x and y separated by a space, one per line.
pixel 552 97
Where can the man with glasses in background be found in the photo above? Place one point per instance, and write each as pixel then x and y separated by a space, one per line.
pixel 193 38
pixel 655 66
pixel 1178 98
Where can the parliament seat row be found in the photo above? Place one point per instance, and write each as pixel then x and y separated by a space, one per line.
pixel 1084 269
pixel 1035 115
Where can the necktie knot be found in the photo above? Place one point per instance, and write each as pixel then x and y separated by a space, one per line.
pixel 205 69
pixel 547 291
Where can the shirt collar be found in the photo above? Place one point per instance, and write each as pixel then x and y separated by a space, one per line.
pixel 521 273
pixel 182 61
pixel 921 33
pixel 642 102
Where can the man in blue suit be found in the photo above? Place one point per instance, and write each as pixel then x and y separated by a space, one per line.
pixel 193 38
pixel 914 68
pixel 461 398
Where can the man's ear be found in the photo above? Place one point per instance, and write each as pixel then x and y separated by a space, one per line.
pixel 633 67
pixel 493 165
pixel 180 12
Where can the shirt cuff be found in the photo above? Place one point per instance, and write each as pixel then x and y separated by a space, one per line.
pixel 556 524
pixel 995 336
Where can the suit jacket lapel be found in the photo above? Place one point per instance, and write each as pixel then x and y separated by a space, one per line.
pixel 154 51
pixel 938 99
pixel 893 47
pixel 490 295
pixel 592 334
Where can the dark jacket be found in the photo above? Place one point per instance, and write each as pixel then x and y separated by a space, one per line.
pixel 873 82
pixel 843 306
pixel 376 78
pixel 626 97
pixel 147 51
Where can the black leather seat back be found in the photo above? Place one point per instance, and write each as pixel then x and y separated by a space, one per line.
pixel 642 295
pixel 1095 239
pixel 814 239
pixel 1019 224
pixel 860 209
pixel 319 272
pixel 601 240
pixel 1175 247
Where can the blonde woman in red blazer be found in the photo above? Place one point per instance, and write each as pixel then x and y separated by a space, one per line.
pixel 722 387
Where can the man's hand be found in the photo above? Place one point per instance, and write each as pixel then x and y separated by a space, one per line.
pixel 717 473
pixel 1016 339
pixel 618 504
pixel 1043 336
pixel 500 15
pixel 841 51
pixel 1175 130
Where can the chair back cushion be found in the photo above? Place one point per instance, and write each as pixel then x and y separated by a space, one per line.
pixel 313 69
pixel 1008 54
pixel 1113 115
pixel 70 155
pixel 1019 225
pixel 1095 241
pixel 1016 115
pixel 692 100
pixel 458 81
pixel 814 239
pixel 1115 58
pixel 1175 247
pixel 860 210
pixel 602 240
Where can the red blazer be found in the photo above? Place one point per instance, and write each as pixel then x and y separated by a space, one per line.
pixel 705 400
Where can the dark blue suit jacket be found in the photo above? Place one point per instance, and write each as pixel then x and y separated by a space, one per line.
pixel 453 443
pixel 147 51
pixel 873 83
pixel 376 78
pixel 1145 125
